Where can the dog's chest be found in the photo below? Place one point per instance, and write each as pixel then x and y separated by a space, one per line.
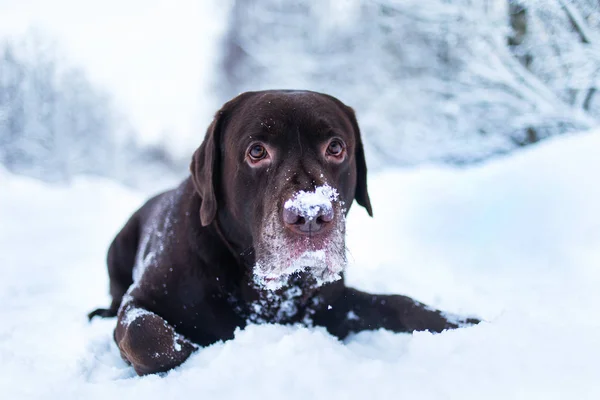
pixel 291 305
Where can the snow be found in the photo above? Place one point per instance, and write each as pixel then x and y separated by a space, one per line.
pixel 323 259
pixel 515 241
pixel 133 314
pixel 309 204
pixel 442 83
pixel 313 261
pixel 156 60
pixel 273 270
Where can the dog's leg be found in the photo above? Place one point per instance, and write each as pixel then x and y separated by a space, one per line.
pixel 355 311
pixel 148 342
pixel 120 262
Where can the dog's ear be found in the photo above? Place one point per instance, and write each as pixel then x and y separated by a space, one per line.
pixel 361 195
pixel 206 162
pixel 204 168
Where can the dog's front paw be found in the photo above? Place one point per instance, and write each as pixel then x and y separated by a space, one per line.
pixel 457 321
pixel 151 345
pixel 417 316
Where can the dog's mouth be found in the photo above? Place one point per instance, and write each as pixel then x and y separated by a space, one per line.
pixel 322 265
pixel 281 253
pixel 315 257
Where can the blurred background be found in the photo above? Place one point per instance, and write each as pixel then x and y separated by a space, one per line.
pixel 125 90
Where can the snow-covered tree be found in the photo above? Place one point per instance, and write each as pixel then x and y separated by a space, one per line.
pixel 55 124
pixel 431 80
pixel 559 42
pixel 12 119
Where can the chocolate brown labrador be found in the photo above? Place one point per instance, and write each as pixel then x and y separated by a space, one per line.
pixel 254 235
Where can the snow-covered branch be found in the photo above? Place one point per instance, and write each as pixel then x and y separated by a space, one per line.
pixel 432 80
pixel 55 124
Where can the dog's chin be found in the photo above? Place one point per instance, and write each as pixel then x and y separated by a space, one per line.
pixel 318 260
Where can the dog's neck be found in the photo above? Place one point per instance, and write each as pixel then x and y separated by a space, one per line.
pixel 234 280
pixel 295 302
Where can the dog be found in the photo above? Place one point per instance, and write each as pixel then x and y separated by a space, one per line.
pixel 254 235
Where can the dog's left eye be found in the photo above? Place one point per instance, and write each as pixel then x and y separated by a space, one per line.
pixel 335 148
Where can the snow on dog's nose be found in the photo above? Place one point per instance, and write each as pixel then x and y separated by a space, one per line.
pixel 308 212
pixel 321 257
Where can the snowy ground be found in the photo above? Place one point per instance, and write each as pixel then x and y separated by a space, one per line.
pixel 515 241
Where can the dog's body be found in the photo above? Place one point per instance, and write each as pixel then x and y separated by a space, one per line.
pixel 255 235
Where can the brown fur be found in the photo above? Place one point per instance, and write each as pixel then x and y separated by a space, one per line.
pixel 197 243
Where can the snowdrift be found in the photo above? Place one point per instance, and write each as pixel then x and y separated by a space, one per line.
pixel 515 241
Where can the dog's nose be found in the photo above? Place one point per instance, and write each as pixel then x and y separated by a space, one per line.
pixel 308 212
pixel 307 223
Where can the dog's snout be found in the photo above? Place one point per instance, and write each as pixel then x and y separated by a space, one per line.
pixel 308 212
pixel 307 223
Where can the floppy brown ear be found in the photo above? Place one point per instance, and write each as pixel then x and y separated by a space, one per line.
pixel 204 167
pixel 361 195
pixel 206 162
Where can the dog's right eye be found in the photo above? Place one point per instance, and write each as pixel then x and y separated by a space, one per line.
pixel 257 152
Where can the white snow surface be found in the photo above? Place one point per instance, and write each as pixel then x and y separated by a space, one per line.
pixel 515 241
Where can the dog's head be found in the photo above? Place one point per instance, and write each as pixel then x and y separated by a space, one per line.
pixel 278 171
